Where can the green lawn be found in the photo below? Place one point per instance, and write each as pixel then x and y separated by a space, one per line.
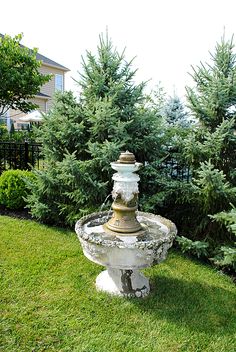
pixel 49 302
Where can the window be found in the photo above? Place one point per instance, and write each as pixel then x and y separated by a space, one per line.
pixel 59 82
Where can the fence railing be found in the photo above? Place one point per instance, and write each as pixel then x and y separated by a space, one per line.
pixel 26 155
pixel 176 170
pixel 22 156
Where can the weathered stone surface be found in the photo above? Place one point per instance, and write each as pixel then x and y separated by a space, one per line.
pixel 125 255
pixel 126 283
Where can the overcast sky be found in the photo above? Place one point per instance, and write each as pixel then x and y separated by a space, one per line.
pixel 165 36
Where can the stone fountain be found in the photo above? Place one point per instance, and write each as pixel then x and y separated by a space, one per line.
pixel 125 240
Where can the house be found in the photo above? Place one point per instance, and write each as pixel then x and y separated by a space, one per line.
pixel 44 98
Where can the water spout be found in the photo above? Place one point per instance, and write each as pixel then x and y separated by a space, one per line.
pixel 104 203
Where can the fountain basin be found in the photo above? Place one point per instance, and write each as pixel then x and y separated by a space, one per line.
pixel 124 255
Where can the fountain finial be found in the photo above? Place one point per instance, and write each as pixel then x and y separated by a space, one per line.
pixel 126 158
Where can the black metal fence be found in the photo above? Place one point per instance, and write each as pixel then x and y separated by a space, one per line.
pixel 22 156
pixel 177 171
pixel 26 155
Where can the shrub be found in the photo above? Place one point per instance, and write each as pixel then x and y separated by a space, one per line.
pixel 198 248
pixel 14 186
pixel 225 258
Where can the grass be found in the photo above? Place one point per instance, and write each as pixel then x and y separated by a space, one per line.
pixel 49 302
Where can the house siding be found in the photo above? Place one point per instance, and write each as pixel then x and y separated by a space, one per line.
pixel 49 87
pixel 42 103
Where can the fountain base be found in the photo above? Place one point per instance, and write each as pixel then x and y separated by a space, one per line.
pixel 123 282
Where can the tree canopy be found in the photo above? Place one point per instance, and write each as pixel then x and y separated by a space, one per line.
pixel 81 138
pixel 19 75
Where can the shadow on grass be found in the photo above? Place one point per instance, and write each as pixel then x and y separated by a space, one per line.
pixel 200 307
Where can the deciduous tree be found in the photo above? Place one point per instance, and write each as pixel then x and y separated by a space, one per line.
pixel 19 75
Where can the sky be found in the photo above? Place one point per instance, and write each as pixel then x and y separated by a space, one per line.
pixel 166 37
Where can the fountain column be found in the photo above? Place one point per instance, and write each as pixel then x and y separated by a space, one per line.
pixel 125 194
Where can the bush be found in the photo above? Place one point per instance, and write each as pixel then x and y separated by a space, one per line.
pixel 197 248
pixel 225 258
pixel 14 186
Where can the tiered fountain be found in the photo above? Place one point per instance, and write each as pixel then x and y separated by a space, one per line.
pixel 125 240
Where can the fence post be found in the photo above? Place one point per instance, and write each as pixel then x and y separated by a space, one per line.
pixel 26 155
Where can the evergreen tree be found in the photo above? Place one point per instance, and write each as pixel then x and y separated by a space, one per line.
pixel 115 107
pixel 175 113
pixel 213 102
pixel 208 148
pixel 81 138
pixel 211 148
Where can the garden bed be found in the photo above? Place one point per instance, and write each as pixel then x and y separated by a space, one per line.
pixel 20 214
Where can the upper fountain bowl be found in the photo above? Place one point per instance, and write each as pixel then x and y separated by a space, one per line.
pixel 123 168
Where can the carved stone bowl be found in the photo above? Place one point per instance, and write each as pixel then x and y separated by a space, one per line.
pixel 123 255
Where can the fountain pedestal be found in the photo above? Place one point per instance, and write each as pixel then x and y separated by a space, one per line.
pixel 126 240
pixel 123 282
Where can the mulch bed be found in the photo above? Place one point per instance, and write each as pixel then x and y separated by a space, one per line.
pixel 20 214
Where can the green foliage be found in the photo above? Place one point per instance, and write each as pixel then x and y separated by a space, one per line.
pixel 190 204
pixel 225 258
pixel 14 187
pixel 227 218
pixel 218 146
pixel 207 148
pixel 212 102
pixel 18 136
pixel 3 131
pixel 63 129
pixel 215 94
pixel 213 192
pixel 81 138
pixel 197 248
pixel 226 255
pixel 175 113
pixel 210 148
pixel 63 192
pixel 19 75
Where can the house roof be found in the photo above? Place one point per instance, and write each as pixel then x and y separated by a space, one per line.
pixel 42 95
pixel 46 60
pixel 50 62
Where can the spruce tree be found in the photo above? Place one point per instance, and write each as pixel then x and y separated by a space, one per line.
pixel 208 148
pixel 213 100
pixel 211 149
pixel 81 137
pixel 175 112
pixel 213 103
